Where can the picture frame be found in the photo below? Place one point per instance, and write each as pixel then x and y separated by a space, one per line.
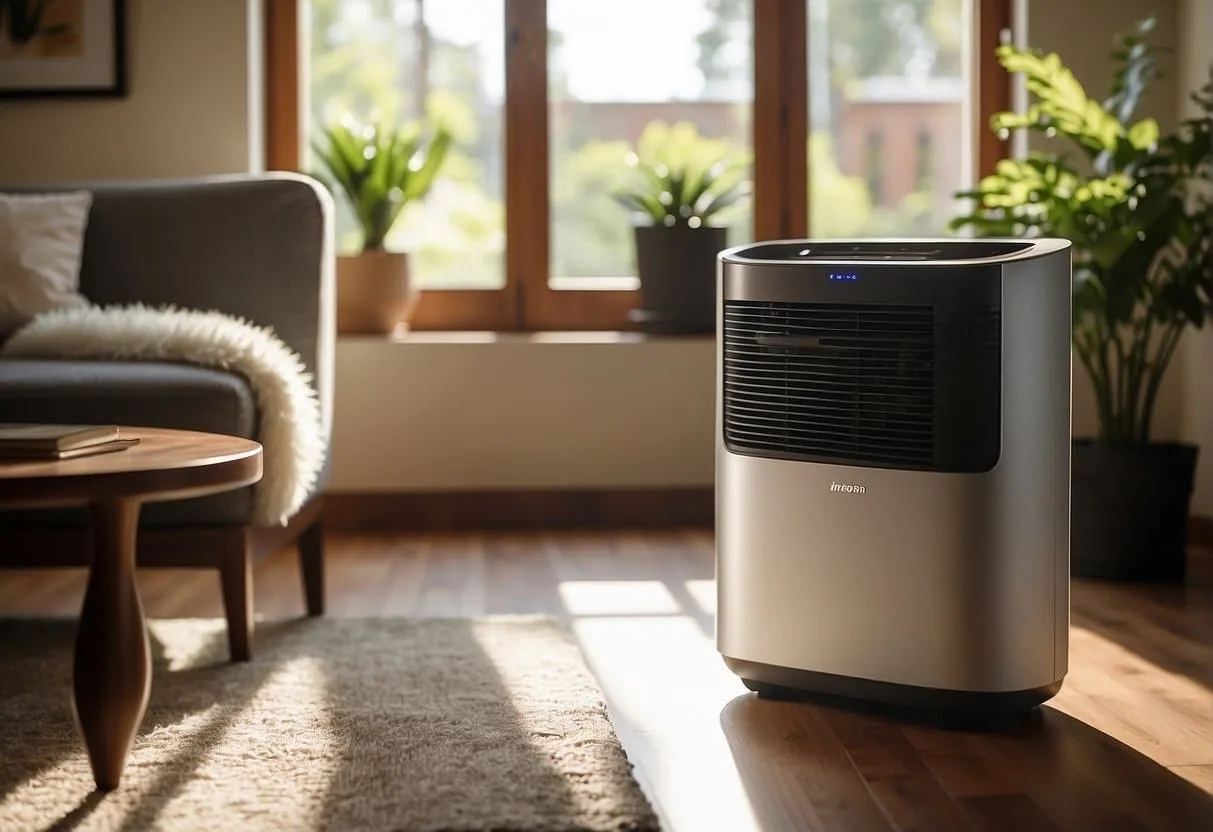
pixel 57 49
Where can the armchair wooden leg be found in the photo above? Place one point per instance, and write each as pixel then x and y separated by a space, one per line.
pixel 236 577
pixel 311 562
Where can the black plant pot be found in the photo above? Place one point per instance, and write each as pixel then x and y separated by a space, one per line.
pixel 678 278
pixel 1129 510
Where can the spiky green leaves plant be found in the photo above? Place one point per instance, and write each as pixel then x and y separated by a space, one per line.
pixel 379 170
pixel 682 178
pixel 1137 207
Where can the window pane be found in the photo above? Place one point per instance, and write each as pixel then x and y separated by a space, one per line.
pixel 614 70
pixel 888 115
pixel 395 61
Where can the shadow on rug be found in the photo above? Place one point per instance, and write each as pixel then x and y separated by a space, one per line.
pixel 368 724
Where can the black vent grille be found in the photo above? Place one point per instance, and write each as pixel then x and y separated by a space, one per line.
pixel 854 384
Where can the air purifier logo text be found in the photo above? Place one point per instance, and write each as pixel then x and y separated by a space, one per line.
pixel 847 487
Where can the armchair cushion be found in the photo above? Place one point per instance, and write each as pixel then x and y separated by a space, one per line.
pixel 41 239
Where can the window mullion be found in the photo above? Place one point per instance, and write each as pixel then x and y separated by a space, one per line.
pixel 284 57
pixel 780 119
pixel 526 153
pixel 795 99
pixel 992 84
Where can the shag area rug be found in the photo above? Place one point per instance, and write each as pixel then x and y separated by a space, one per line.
pixel 337 724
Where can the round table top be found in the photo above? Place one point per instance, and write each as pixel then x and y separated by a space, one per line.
pixel 165 465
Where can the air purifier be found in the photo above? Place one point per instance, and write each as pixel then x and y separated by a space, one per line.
pixel 893 469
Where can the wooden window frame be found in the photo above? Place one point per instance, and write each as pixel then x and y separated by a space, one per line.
pixel 780 176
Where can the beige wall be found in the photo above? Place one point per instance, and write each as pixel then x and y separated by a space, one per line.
pixel 1081 31
pixel 522 412
pixel 1196 54
pixel 193 81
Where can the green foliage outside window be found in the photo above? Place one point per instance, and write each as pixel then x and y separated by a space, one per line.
pixel 367 64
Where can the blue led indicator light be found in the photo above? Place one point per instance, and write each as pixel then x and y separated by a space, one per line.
pixel 847 277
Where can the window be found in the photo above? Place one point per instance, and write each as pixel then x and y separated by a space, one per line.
pixel 873 176
pixel 877 67
pixel 924 176
pixel 394 62
pixel 684 76
pixel 547 97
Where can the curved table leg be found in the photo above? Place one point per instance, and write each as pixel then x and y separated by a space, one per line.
pixel 113 670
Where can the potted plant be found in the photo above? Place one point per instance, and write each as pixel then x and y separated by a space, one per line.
pixel 1136 205
pixel 379 171
pixel 683 184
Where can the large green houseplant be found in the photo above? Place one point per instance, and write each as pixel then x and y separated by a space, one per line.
pixel 1136 204
pixel 684 187
pixel 378 171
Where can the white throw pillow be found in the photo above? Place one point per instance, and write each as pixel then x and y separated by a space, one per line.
pixel 41 243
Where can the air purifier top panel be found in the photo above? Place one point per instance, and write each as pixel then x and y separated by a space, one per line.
pixel 913 252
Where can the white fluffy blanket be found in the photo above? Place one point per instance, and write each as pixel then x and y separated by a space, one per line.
pixel 289 414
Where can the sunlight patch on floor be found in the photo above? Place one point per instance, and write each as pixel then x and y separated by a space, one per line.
pixel 666 686
pixel 617 598
pixel 704 593
pixel 1133 665
pixel 186 643
pixel 69 784
pixel 299 792
pixel 644 660
pixel 1199 776
pixel 1115 688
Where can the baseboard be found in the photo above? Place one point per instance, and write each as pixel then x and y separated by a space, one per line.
pixel 641 508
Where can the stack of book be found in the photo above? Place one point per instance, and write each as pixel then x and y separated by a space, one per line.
pixel 20 441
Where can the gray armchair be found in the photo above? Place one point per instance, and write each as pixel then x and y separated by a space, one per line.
pixel 257 247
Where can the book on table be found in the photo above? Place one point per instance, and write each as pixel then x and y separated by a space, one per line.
pixel 50 441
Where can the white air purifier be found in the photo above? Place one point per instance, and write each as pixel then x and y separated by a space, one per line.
pixel 892 469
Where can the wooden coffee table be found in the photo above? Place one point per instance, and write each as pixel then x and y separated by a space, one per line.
pixel 112 673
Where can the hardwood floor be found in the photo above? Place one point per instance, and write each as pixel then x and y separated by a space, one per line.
pixel 1127 744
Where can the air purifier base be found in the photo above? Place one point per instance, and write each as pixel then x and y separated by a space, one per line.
pixel 938 707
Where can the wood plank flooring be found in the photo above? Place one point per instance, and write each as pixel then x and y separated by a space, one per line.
pixel 1128 744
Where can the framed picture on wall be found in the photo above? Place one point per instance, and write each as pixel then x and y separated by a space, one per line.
pixel 62 48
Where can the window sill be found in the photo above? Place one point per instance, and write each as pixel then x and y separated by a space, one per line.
pixel 489 337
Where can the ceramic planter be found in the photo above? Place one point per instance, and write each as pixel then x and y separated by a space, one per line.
pixel 1129 510
pixel 376 294
pixel 677 269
